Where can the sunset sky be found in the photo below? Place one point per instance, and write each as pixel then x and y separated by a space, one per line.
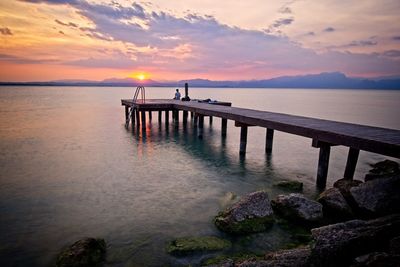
pixel 183 39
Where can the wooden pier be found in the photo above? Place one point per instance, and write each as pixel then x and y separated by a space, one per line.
pixel 324 133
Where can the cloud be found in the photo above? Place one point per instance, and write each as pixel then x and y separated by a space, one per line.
pixel 5 31
pixel 197 44
pixel 396 38
pixel 285 10
pixel 69 24
pixel 282 22
pixel 392 53
pixel 52 2
pixel 329 29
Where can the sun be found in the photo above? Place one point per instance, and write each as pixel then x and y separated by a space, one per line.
pixel 141 76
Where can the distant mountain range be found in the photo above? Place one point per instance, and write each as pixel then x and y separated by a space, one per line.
pixel 334 80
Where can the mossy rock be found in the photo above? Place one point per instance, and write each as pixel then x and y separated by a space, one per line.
pixel 383 169
pixel 248 225
pixel 290 185
pixel 83 253
pixel 189 245
pixel 220 260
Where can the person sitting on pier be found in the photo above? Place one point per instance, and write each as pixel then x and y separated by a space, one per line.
pixel 177 95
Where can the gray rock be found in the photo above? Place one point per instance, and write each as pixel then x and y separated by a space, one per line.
pixel 252 213
pixel 344 186
pixel 335 205
pixel 378 197
pixel 395 245
pixel 298 208
pixel 338 244
pixel 382 169
pixel 83 253
pixel 377 259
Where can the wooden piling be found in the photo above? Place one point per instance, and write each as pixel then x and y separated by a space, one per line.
pixel 166 116
pixel 211 120
pixel 143 119
pixel 201 126
pixel 195 121
pixel 351 163
pixel 269 137
pixel 150 116
pixel 137 115
pixel 323 164
pixel 126 114
pixel 184 116
pixel 243 140
pixel 224 123
pixel 160 116
pixel 132 118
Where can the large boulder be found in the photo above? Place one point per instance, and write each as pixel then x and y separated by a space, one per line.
pixel 382 169
pixel 298 208
pixel 335 205
pixel 377 197
pixel 252 213
pixel 83 253
pixel 189 245
pixel 338 244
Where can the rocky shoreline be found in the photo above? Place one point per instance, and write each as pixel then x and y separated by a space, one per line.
pixel 354 223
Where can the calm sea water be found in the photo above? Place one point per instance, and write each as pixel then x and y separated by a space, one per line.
pixel 69 169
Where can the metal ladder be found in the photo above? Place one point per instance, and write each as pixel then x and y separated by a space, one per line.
pixel 139 90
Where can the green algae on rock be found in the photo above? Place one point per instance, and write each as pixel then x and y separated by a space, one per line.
pixel 253 213
pixel 84 252
pixel 188 245
pixel 290 185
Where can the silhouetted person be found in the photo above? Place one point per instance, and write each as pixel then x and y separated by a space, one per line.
pixel 177 95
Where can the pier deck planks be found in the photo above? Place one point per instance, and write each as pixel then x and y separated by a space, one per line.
pixel 368 138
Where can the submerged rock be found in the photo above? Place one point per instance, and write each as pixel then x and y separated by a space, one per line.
pixel 83 253
pixel 376 259
pixel 297 207
pixel 285 258
pixel 335 205
pixel 378 197
pixel 252 213
pixel 188 245
pixel 382 169
pixel 338 244
pixel 290 185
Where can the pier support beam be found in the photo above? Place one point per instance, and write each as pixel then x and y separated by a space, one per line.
pixel 126 114
pixel 211 120
pixel 143 120
pixel 137 115
pixel 132 118
pixel 176 115
pixel 150 116
pixel 243 140
pixel 224 123
pixel 184 116
pixel 166 116
pixel 351 163
pixel 269 140
pixel 323 164
pixel 195 120
pixel 159 116
pixel 201 126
